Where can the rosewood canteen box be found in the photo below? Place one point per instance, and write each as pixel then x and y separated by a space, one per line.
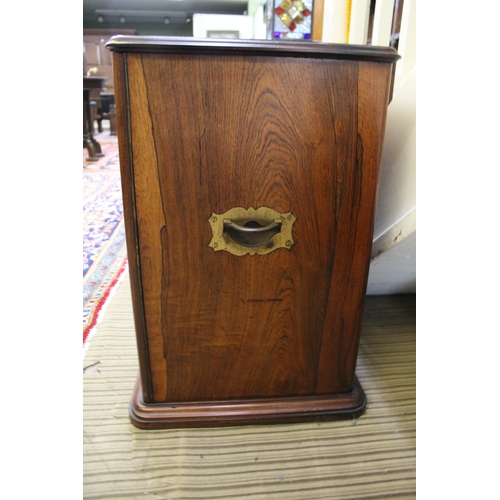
pixel 249 174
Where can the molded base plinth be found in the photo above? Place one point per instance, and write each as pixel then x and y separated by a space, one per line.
pixel 245 412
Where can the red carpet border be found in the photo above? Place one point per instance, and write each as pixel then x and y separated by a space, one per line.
pixel 104 248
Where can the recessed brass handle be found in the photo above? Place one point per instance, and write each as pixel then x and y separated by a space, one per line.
pixel 252 234
pixel 247 231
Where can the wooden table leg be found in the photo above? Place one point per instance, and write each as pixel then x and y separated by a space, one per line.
pixel 92 146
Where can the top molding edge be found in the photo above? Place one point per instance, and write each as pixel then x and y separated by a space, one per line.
pixel 214 46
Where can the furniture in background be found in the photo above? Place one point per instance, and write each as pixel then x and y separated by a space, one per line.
pixel 249 172
pixel 97 61
pixel 91 85
pixel 106 111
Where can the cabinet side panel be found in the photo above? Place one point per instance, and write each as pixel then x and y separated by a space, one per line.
pixel 129 209
pixel 350 273
pixel 213 133
pixel 150 220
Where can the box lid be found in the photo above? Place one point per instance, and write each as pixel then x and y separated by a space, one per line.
pixel 276 48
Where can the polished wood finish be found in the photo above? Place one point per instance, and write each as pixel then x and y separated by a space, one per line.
pixel 264 411
pixel 279 48
pixel 204 127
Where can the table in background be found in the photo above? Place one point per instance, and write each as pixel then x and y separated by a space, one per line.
pixel 91 84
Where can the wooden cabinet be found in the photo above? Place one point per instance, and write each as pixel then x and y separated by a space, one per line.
pixel 249 173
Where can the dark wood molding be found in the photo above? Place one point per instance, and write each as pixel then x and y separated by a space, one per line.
pixel 278 48
pixel 248 412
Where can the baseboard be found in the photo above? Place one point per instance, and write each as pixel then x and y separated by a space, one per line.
pixel 394 234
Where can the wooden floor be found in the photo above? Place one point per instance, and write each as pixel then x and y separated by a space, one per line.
pixel 371 457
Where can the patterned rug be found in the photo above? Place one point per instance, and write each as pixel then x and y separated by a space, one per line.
pixel 104 248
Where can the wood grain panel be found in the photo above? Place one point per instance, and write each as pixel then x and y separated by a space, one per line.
pixel 349 275
pixel 129 212
pixel 149 204
pixel 212 133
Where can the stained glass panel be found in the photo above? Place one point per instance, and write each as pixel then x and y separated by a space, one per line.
pixel 292 19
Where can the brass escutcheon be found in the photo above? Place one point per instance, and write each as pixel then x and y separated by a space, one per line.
pixel 243 231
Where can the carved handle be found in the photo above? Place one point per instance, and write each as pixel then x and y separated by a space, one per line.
pixel 252 234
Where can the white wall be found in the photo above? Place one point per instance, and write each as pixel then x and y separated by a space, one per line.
pixel 397 192
pixel 205 23
pixel 394 270
pixel 393 266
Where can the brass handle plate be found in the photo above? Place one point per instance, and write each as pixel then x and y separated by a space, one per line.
pixel 243 231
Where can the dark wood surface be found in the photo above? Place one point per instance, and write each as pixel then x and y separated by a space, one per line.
pixel 264 411
pixel 106 111
pixel 91 84
pixel 276 48
pixel 201 134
